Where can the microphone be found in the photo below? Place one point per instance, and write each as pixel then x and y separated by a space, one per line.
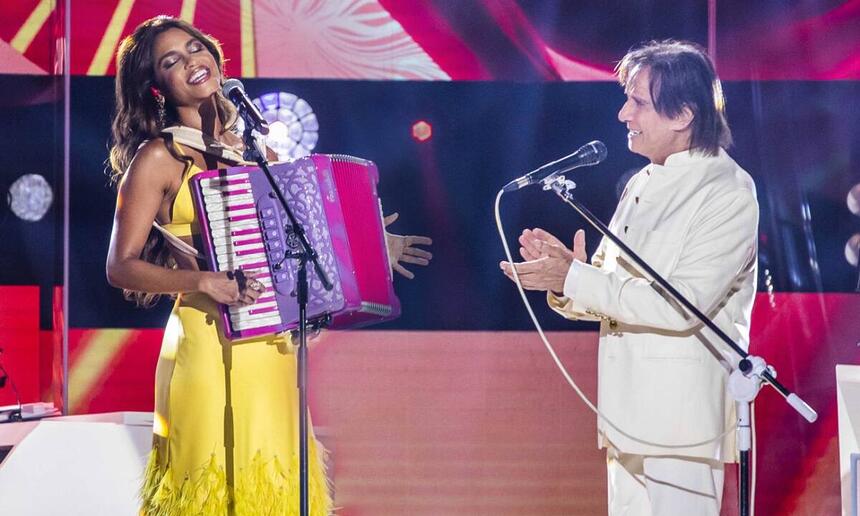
pixel 233 90
pixel 587 155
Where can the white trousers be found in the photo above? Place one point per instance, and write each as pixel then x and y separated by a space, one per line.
pixel 641 485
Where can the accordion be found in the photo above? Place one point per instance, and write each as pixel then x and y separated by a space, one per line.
pixel 243 226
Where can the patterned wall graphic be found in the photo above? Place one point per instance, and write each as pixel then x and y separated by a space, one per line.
pixel 444 40
pixel 30 37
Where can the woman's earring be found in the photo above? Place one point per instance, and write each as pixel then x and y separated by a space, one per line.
pixel 159 101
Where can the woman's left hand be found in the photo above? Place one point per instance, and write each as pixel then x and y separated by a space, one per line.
pixel 400 249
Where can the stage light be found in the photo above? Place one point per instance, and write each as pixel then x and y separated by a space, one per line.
pixel 30 197
pixel 293 126
pixel 422 131
pixel 853 200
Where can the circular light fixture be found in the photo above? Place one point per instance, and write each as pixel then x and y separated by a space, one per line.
pixel 30 197
pixel 853 200
pixel 293 126
pixel 422 131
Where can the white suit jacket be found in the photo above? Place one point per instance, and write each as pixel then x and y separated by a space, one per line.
pixel 661 375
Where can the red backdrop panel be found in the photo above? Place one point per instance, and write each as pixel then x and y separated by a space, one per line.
pixel 20 341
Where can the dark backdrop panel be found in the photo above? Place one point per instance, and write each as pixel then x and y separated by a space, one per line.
pixel 794 138
pixel 31 142
pixel 805 159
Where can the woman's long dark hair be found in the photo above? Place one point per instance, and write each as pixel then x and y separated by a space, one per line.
pixel 137 120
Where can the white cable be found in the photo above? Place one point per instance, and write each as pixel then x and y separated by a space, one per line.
pixel 752 459
pixel 561 367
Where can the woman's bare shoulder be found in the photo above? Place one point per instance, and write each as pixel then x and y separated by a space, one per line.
pixel 154 152
pixel 154 162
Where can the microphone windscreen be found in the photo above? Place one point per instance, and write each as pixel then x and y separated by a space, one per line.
pixel 597 152
pixel 230 85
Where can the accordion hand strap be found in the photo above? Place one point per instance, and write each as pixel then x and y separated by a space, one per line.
pixel 195 139
pixel 178 243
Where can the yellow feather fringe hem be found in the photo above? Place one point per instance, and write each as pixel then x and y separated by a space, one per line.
pixel 263 488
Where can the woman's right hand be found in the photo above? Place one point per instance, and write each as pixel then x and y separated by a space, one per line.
pixel 225 290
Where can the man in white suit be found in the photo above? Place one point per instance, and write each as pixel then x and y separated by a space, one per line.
pixel 692 215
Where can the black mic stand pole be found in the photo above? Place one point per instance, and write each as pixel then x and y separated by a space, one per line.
pixel 255 152
pixel 744 382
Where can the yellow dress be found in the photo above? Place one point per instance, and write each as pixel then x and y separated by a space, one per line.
pixel 226 415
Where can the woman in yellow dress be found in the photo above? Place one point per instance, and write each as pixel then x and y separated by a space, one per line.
pixel 226 429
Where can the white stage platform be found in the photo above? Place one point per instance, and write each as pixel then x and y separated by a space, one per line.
pixel 848 411
pixel 76 465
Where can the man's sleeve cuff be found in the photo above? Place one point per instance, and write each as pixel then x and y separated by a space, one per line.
pixel 570 280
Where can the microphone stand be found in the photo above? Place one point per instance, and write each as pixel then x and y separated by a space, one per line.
pixel 744 382
pixel 257 153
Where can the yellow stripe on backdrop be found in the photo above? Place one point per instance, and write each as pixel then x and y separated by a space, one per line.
pixel 107 47
pixel 94 356
pixel 186 13
pixel 249 60
pixel 32 26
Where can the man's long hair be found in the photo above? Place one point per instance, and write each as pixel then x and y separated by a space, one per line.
pixel 682 75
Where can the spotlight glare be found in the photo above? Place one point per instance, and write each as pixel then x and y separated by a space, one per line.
pixel 422 131
pixel 278 140
pixel 30 197
pixel 278 129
